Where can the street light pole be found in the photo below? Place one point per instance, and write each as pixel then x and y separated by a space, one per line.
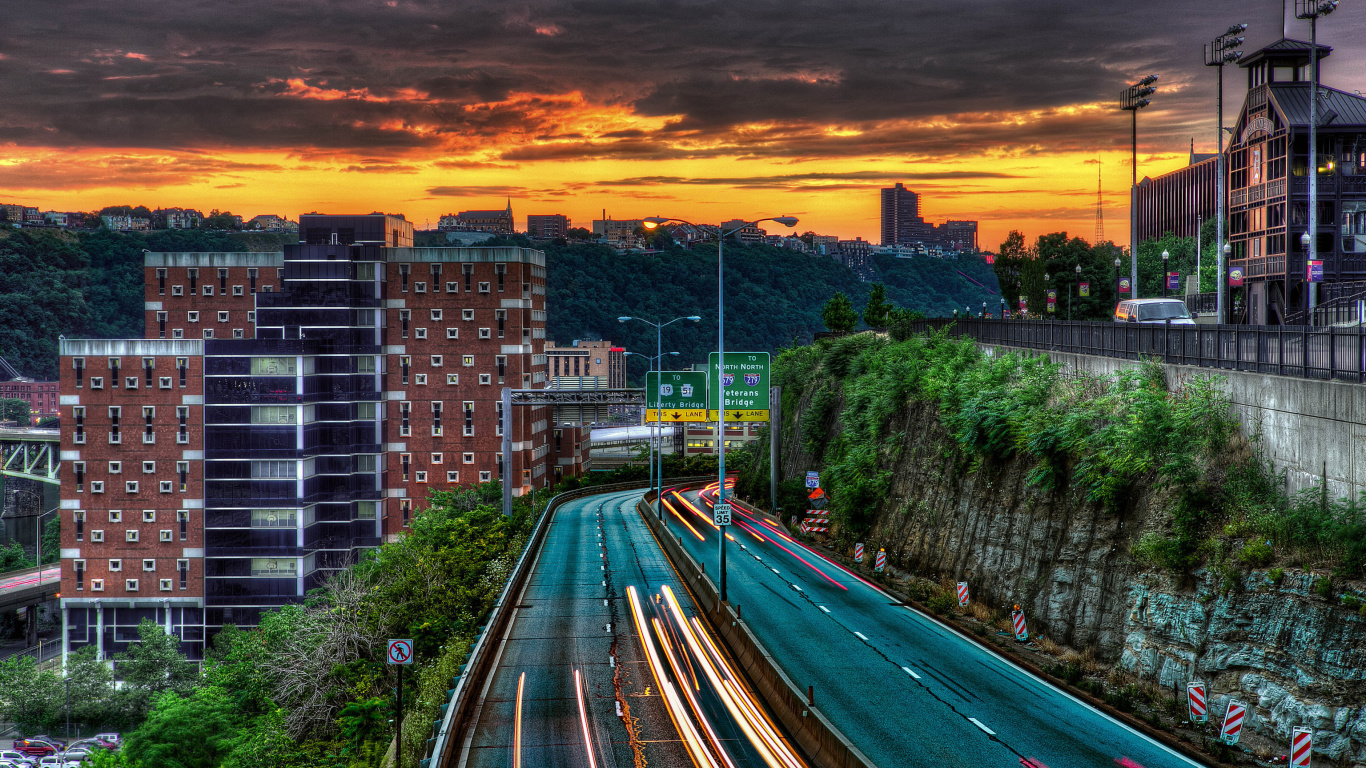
pixel 721 234
pixel 1312 10
pixel 1132 99
pixel 658 476
pixel 1164 272
pixel 1222 50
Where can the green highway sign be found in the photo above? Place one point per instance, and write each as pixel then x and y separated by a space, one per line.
pixel 745 380
pixel 676 390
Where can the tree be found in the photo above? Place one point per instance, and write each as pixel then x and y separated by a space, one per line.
pixel 195 731
pixel 154 666
pixel 14 409
pixel 875 313
pixel 12 557
pixel 838 314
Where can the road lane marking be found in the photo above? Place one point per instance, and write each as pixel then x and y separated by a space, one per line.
pixel 978 723
pixel 775 570
pixel 861 636
pixel 908 671
pixel 794 586
pixel 823 608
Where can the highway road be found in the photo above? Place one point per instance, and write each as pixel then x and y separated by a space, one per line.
pixel 18 588
pixel 575 649
pixel 904 689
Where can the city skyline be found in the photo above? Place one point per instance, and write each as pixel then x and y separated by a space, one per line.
pixel 809 112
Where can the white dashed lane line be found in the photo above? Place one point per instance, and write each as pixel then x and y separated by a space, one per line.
pixel 908 671
pixel 978 723
pixel 823 608
pixel 861 636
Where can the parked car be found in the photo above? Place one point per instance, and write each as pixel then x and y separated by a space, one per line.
pixel 1171 311
pixel 14 756
pixel 34 748
pixel 112 738
pixel 75 755
pixel 58 743
pixel 51 761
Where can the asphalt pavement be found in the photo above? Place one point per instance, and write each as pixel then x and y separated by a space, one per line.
pixel 574 616
pixel 904 689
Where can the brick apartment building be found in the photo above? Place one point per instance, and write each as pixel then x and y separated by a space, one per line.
pixel 547 226
pixel 287 411
pixel 41 396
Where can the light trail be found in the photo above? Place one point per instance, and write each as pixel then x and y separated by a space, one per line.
pixel 517 725
pixel 686 524
pixel 760 732
pixel 691 739
pixel 583 719
pixel 692 700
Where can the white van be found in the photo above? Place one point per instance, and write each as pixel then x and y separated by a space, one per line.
pixel 1171 311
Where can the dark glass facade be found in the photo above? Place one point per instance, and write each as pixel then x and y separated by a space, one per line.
pixel 292 435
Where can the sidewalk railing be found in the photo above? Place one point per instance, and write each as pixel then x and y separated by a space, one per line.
pixel 1302 351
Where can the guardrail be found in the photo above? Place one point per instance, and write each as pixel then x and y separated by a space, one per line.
pixel 1301 351
pixel 794 708
pixel 464 693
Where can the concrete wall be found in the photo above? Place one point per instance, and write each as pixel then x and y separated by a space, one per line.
pixel 1307 427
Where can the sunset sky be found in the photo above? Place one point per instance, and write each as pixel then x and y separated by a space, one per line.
pixel 994 110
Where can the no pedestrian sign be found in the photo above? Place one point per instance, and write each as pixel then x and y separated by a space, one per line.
pixel 400 652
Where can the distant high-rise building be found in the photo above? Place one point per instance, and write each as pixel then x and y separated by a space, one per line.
pixel 547 225
pixel 901 220
pixel 959 235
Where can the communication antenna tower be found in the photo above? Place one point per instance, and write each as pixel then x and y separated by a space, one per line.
pixel 1100 217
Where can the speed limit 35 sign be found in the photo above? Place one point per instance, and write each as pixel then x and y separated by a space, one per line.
pixel 400 652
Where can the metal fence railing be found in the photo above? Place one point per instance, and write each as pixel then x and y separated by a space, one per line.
pixel 1303 351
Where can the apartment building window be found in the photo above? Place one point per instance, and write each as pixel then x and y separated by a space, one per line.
pixel 149 566
pixel 469 418
pixel 182 469
pixel 453 379
pixel 452 476
pixel 436 314
pixel 149 467
pixel 280 273
pixel 436 275
pixel 78 467
pixel 421 476
pixel 436 458
pixel 207 290
pixel 130 382
pixel 182 435
pixel 177 290
pixel 251 316
pixel 165 382
pixel 251 278
pixel 485 378
pixel 467 361
pixel 485 333
pixel 238 291
pixel 420 286
pixel 223 317
pixel 130 486
pixel 208 333
pixel 183 516
pixel 166 486
pixel 526 290
pixel 131 536
pixel 222 280
pixel 452 333
pixel 404 364
pixel 161 324
pixel 115 413
pixel 183 567
pixel 498 415
pixel 161 282
pixel 436 361
pixel 436 418
pixel 405 506
pixel 115 515
pixel 502 361
pixel 96 536
pixel 130 585
pixel 97 486
pixel 78 413
pixel 165 536
pixel 238 333
pixel 484 477
pixel 177 333
pixel 115 566
pixel 113 373
pixel 79 566
pixel 501 315
pixel 405 425
pixel 452 286
pixel 403 270
pixel 79 364
pixel 501 271
pixel 115 467
pixel 193 276
pixel 149 515
pixel 165 585
pixel 78 517
pixel 149 437
pixel 404 315
pixel 485 288
pixel 468 271
pixel 148 365
pixel 405 461
pixel 467 458
pixel 499 457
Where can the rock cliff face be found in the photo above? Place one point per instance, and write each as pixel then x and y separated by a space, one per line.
pixel 1294 656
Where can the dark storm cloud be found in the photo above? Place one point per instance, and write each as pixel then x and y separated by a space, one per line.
pixel 754 79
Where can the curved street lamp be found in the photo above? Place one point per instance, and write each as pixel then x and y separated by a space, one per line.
pixel 656 359
pixel 721 235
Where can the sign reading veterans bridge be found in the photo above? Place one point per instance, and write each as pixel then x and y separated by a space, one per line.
pixel 745 380
pixel 676 396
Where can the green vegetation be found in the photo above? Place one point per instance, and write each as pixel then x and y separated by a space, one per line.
pixel 1111 441
pixel 14 409
pixel 838 314
pixel 876 311
pixel 85 285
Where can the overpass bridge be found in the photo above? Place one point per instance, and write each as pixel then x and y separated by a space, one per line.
pixel 29 588
pixel 31 454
